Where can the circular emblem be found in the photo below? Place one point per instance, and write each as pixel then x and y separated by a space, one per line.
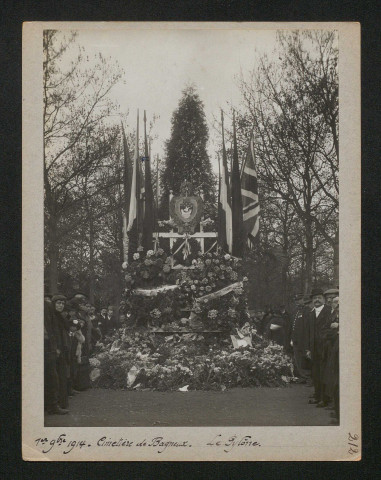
pixel 186 211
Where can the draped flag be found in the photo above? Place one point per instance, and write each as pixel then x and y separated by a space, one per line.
pixel 249 189
pixel 148 223
pixel 127 171
pixel 237 217
pixel 225 238
pixel 135 211
pixel 126 191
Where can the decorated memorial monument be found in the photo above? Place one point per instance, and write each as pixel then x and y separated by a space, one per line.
pixel 188 324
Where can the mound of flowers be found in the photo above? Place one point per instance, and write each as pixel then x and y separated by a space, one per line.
pixel 148 269
pixel 194 285
pixel 144 360
pixel 180 321
pixel 211 272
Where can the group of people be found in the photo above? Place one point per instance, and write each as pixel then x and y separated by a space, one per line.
pixel 311 338
pixel 315 341
pixel 71 330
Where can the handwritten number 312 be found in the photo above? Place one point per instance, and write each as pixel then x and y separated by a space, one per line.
pixel 352 441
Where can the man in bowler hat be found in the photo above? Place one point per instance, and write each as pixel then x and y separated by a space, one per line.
pixel 319 317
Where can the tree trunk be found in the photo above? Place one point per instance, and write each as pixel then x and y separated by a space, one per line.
pixel 302 271
pixel 120 241
pixel 53 253
pixel 309 260
pixel 336 260
pixel 91 259
pixel 285 263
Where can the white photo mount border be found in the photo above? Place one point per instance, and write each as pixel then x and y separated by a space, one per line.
pixel 250 443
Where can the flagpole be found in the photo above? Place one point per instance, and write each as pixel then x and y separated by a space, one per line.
pixel 237 213
pixel 124 209
pixel 225 223
pixel 247 150
pixel 133 204
pixel 148 221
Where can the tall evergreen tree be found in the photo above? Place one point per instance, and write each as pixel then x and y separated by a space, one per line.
pixel 186 154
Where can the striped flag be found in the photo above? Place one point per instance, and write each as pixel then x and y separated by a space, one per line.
pixel 249 190
pixel 225 232
pixel 135 213
pixel 127 174
pixel 148 223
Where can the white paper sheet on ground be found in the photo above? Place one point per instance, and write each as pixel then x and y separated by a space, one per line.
pixel 131 375
pixel 115 346
pixel 241 342
pixel 94 374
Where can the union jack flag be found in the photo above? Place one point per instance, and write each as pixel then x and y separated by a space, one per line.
pixel 249 191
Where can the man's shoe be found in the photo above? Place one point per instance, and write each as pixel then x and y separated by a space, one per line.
pixel 57 411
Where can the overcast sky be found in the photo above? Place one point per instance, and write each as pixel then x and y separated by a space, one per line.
pixel 159 64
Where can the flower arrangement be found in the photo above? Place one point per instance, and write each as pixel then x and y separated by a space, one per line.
pixel 149 269
pixel 212 271
pixel 223 313
pixel 166 223
pixel 152 311
pixel 168 363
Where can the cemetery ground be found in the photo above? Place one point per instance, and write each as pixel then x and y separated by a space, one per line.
pixel 262 406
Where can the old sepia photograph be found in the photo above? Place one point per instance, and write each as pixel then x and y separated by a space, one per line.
pixel 190 256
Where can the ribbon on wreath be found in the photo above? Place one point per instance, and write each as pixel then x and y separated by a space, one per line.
pixel 186 249
pixel 156 244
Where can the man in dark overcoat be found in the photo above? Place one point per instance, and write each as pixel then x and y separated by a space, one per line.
pixel 319 317
pixel 331 364
pixel 300 338
pixel 63 349
pixel 51 352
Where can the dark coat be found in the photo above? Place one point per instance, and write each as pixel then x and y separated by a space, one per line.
pixel 330 375
pixel 316 329
pixel 287 329
pixel 278 336
pixel 62 338
pixel 103 324
pixel 301 329
pixel 50 329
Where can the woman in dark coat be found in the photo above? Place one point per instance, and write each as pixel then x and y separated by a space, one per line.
pixel 51 352
pixel 63 349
